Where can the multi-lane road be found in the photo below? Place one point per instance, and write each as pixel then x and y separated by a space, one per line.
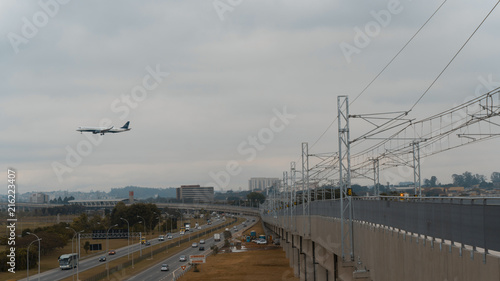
pixel 173 262
pixel 155 273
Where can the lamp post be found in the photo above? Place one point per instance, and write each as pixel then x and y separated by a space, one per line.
pixel 78 262
pixel 107 247
pixel 140 243
pixel 38 238
pixel 151 245
pixel 159 222
pixel 128 238
pixel 128 241
pixel 28 260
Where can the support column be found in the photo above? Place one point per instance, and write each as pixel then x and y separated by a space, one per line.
pixel 310 268
pixel 321 273
pixel 303 267
pixel 296 262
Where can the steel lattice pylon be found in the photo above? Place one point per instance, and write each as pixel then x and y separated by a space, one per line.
pixel 376 177
pixel 283 198
pixel 293 196
pixel 416 168
pixel 306 191
pixel 345 178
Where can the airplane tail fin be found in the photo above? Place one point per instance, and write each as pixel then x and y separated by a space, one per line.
pixel 126 125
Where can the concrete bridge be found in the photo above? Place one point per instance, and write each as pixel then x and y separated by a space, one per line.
pixel 414 239
pixel 212 207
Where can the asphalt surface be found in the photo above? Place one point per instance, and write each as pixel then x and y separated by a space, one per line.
pixel 155 273
pixel 86 264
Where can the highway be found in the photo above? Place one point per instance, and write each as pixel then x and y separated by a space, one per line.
pixel 154 272
pixel 88 263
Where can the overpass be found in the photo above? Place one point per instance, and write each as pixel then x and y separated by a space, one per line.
pixel 393 238
pixel 212 207
pixel 27 206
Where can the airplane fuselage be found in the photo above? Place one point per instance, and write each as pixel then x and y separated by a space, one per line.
pixel 104 130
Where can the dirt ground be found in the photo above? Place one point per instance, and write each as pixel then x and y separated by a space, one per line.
pixel 252 262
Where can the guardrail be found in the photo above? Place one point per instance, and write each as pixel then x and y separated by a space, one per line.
pixel 468 221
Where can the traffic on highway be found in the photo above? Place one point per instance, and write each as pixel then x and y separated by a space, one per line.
pixel 156 272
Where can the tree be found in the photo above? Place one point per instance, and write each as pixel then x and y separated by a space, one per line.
pixel 433 181
pixel 467 179
pixel 495 177
pixel 255 197
pixel 86 247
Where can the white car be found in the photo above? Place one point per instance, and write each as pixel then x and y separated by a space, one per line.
pixel 194 245
pixel 164 267
pixel 202 241
pixel 182 258
pixel 261 241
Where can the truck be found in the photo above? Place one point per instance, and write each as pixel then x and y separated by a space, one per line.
pixel 187 226
pixel 217 236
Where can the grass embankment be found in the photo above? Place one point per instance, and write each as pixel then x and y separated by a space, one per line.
pixel 147 263
pixel 257 262
pixel 49 261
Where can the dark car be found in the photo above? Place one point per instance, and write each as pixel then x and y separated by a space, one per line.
pixel 148 243
pixel 112 252
pixel 103 258
pixel 202 248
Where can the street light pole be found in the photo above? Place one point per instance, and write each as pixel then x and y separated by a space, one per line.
pixel 28 260
pixel 151 246
pixel 107 247
pixel 38 238
pixel 159 223
pixel 140 242
pixel 78 262
pixel 128 237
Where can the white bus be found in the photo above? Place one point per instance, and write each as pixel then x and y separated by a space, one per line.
pixel 68 261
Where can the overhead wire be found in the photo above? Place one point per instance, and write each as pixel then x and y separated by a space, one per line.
pixel 381 71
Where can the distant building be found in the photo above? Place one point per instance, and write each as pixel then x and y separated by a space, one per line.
pixel 39 198
pixel 195 193
pixel 262 183
pixel 100 203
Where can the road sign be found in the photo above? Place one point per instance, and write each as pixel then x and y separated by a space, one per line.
pixel 197 258
pixel 183 267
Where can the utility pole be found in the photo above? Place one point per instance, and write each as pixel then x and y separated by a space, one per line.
pixel 306 197
pixel 293 198
pixel 416 168
pixel 376 178
pixel 345 179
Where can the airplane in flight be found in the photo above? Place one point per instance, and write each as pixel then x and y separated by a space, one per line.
pixel 104 130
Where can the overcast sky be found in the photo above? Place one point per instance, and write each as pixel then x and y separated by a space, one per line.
pixel 217 92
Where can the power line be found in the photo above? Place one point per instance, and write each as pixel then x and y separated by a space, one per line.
pixel 380 72
pixel 380 129
pixel 456 54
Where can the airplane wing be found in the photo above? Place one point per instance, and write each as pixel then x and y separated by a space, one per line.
pixel 106 130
